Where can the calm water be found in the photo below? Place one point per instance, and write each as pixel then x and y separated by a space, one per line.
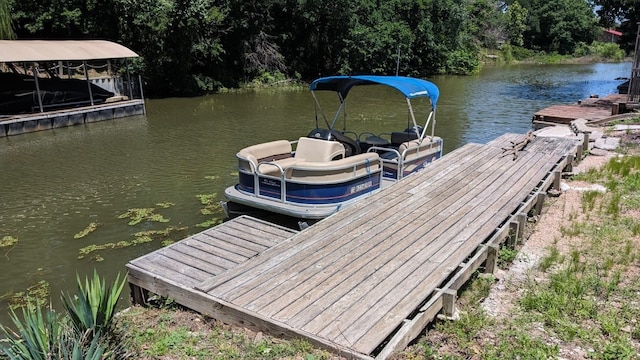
pixel 55 183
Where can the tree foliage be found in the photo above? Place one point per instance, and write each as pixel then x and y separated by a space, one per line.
pixel 624 14
pixel 559 25
pixel 6 29
pixel 516 23
pixel 487 23
pixel 194 46
pixel 178 39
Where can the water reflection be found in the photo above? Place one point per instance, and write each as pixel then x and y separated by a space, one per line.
pixel 57 182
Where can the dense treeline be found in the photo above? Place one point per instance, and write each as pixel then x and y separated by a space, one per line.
pixel 194 46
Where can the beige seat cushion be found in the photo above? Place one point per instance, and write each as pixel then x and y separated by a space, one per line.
pixel 317 150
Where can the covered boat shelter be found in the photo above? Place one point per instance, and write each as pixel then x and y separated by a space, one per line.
pixel 46 84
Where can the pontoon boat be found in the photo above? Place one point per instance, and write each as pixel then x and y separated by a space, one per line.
pixel 319 174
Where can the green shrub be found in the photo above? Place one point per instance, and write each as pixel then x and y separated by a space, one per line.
pixel 463 62
pixel 520 53
pixel 582 49
pixel 94 306
pixel 507 53
pixel 609 51
pixel 42 335
pixel 83 333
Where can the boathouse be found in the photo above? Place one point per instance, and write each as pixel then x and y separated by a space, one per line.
pixel 47 84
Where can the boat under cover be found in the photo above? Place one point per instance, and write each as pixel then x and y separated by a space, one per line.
pixel 19 94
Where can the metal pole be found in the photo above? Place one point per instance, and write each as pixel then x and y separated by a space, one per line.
pixel 35 75
pixel 126 64
pixel 144 107
pixel 398 62
pixel 86 76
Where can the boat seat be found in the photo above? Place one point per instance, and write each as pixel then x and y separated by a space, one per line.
pixel 410 149
pixel 337 170
pixel 351 146
pixel 251 156
pixel 399 137
pixel 317 150
pixel 276 167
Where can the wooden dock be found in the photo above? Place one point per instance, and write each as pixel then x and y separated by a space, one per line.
pixel 367 280
pixel 592 109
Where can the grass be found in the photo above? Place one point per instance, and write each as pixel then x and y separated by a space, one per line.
pixel 180 334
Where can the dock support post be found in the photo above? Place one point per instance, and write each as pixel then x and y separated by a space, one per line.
pixel 522 220
pixel 449 302
pixel 579 153
pixel 570 160
pixel 513 234
pixel 35 75
pixel 86 76
pixel 585 145
pixel 492 258
pixel 556 179
pixel 139 295
pixel 516 229
pixel 540 202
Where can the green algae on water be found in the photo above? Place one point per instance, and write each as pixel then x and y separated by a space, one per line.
pixel 8 241
pixel 37 294
pixel 137 215
pixel 86 231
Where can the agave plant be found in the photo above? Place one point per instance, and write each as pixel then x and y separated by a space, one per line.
pixel 92 310
pixel 35 336
pixel 83 334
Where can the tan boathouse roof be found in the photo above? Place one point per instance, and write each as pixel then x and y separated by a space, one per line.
pixel 54 50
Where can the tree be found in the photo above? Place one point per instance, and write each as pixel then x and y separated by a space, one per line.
pixel 6 29
pixel 249 41
pixel 443 43
pixel 377 30
pixel 516 23
pixel 559 25
pixel 316 35
pixel 179 41
pixel 624 14
pixel 64 19
pixel 487 23
pixel 565 23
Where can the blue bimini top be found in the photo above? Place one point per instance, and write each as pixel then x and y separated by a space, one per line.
pixel 410 87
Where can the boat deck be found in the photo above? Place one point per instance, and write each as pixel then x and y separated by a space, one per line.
pixel 368 279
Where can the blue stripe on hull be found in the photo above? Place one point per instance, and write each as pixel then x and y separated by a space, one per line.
pixel 331 193
pixel 245 183
pixel 310 193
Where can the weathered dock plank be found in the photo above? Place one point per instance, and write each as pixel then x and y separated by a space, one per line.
pixel 202 256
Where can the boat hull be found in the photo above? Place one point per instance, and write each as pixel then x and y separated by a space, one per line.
pixel 296 210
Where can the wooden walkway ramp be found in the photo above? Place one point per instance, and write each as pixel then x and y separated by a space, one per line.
pixel 591 109
pixel 367 280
